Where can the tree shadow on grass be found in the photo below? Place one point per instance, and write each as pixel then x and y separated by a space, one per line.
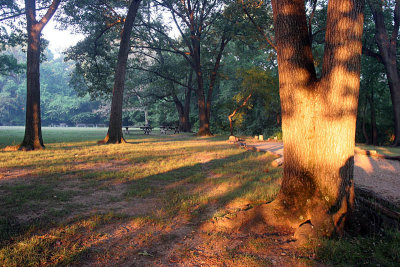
pixel 177 187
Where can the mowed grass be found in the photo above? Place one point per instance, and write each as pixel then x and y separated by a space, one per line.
pixel 144 203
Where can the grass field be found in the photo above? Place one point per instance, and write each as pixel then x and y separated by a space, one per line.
pixel 144 203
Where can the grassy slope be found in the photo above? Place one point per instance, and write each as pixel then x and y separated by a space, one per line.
pixel 77 202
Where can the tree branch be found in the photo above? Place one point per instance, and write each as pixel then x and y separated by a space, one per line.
pixel 163 76
pixel 368 52
pixel 50 12
pixel 260 30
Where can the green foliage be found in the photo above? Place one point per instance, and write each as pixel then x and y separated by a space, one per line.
pixel 60 103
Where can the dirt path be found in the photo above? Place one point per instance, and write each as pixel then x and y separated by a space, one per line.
pixel 381 176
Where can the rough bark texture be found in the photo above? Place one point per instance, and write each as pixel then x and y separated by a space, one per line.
pixel 33 130
pixel 318 116
pixel 114 134
pixel 387 49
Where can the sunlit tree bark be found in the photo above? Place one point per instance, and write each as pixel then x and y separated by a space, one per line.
pixel 33 129
pixel 114 134
pixel 318 116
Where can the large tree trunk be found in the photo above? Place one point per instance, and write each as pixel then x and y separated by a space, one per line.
pixel 388 50
pixel 114 134
pixel 318 116
pixel 204 123
pixel 33 129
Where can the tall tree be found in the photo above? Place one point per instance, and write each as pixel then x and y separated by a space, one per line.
pixel 318 119
pixel 33 132
pixel 388 56
pixel 114 134
pixel 194 21
pixel 318 114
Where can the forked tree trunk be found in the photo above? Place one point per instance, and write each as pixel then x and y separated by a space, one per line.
pixel 114 134
pixel 33 129
pixel 318 116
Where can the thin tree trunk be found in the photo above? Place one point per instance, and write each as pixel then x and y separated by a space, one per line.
pixel 213 77
pixel 374 130
pixel 388 50
pixel 114 134
pixel 318 116
pixel 33 129
pixel 185 125
pixel 364 130
pixel 236 110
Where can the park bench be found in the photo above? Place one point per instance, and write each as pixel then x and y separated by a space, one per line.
pixel 165 128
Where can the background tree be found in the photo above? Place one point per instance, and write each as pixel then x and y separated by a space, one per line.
pixel 33 132
pixel 388 53
pixel 114 134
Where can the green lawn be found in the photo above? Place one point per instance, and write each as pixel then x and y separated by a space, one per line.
pixel 144 203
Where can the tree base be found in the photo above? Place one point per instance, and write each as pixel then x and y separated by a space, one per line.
pixel 204 132
pixel 257 219
pixel 108 140
pixel 24 147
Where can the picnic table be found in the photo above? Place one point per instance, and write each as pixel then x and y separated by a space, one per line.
pixel 146 129
pixel 165 128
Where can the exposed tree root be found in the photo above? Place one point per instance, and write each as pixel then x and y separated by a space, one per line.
pixel 254 220
pixel 258 219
